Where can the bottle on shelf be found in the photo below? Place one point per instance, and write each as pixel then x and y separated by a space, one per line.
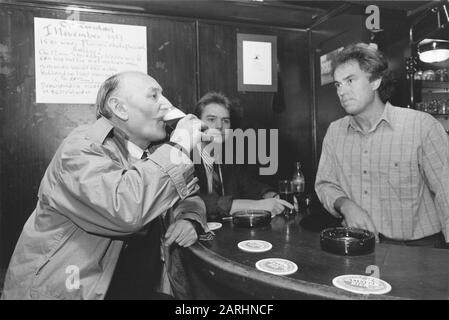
pixel 298 183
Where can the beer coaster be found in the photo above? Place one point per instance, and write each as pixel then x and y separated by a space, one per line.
pixel 254 245
pixel 280 267
pixel 361 284
pixel 214 225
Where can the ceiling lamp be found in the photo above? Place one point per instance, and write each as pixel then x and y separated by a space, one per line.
pixel 430 50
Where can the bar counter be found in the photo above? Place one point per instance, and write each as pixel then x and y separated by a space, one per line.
pixel 218 269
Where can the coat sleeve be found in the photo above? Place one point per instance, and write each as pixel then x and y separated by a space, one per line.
pixel 101 197
pixel 192 208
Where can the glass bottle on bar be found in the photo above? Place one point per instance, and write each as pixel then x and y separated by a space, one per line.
pixel 298 183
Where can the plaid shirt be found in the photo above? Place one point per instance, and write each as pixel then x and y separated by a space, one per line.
pixel 398 172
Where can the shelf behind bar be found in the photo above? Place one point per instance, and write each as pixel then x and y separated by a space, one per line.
pixel 439 114
pixel 433 86
pixel 432 81
pixel 435 90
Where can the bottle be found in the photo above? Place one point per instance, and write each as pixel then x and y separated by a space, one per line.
pixel 298 183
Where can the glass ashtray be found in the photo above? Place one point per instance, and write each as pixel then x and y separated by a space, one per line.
pixel 347 241
pixel 251 218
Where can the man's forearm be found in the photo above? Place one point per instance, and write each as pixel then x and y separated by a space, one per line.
pixel 341 204
pixel 242 204
pixel 329 193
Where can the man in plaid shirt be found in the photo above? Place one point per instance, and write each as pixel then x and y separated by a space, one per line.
pixel 383 168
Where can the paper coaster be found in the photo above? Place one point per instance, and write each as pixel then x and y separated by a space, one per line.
pixel 254 245
pixel 361 284
pixel 277 266
pixel 214 225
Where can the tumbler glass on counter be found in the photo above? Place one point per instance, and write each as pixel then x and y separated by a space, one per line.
pixel 286 193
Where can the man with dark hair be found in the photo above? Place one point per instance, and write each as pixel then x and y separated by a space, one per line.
pixel 228 188
pixel 104 196
pixel 216 98
pixel 383 168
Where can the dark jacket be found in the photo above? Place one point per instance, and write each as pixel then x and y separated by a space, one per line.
pixel 237 183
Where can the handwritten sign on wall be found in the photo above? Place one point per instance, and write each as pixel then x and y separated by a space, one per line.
pixel 73 58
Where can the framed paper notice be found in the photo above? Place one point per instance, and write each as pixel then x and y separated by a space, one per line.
pixel 256 58
pixel 74 57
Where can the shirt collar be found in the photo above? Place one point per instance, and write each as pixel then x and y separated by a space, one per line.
pixel 387 116
pixel 100 130
pixel 134 150
pixel 208 160
pixel 103 127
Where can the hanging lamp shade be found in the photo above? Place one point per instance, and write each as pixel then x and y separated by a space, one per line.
pixel 433 50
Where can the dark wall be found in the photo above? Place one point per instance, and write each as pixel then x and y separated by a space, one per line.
pixel 394 43
pixel 287 110
pixel 334 33
pixel 30 132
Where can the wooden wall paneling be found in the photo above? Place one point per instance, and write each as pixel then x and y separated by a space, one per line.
pixel 218 71
pixel 26 135
pixel 171 59
pixel 394 43
pixel 293 120
pixel 30 132
pixel 338 31
pixel 5 70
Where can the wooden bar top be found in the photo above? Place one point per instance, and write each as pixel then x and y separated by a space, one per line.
pixel 413 272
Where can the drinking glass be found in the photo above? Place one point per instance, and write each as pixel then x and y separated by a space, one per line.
pixel 285 191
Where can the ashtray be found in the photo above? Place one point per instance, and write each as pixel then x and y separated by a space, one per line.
pixel 251 218
pixel 347 241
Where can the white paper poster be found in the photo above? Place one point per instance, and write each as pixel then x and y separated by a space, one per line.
pixel 73 58
pixel 257 63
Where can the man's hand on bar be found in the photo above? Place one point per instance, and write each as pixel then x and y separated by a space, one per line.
pixel 182 232
pixel 274 205
pixel 354 216
pixel 270 194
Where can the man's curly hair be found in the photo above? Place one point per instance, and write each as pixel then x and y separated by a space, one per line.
pixel 371 61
